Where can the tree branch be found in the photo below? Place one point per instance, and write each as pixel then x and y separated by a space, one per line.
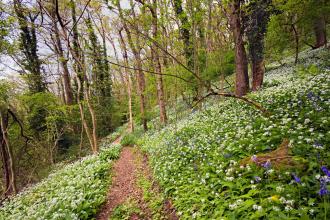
pixel 232 95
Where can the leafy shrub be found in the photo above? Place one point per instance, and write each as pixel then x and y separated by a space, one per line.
pixel 73 192
pixel 132 138
pixel 128 140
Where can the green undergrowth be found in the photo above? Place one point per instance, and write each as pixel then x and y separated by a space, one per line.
pixel 154 200
pixel 75 191
pixel 197 161
pixel 130 139
pixel 126 210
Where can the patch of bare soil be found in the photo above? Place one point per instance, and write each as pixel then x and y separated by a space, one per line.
pixel 126 171
pixel 123 184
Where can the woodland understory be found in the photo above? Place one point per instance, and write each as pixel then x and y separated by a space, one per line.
pixel 210 109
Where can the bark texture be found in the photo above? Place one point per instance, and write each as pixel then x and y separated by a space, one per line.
pixel 140 74
pixel 242 77
pixel 64 63
pixel 8 166
pixel 320 32
pixel 258 71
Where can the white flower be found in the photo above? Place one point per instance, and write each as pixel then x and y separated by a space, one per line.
pixel 317 176
pixel 288 208
pixel 232 206
pixel 269 171
pixel 275 208
pixel 257 207
pixel 229 178
pixel 279 189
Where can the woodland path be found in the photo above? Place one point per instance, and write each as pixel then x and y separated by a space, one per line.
pixel 124 187
pixel 123 183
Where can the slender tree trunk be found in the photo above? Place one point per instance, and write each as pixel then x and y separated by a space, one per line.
pixel 140 75
pixel 7 156
pixel 209 26
pixel 296 39
pixel 320 32
pixel 128 83
pixel 79 57
pixel 82 116
pixel 94 124
pixel 242 77
pixel 184 28
pixel 156 61
pixel 62 59
pixel 258 71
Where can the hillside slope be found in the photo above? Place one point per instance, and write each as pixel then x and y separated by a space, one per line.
pixel 203 161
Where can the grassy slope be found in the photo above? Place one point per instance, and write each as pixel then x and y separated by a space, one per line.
pixel 197 160
pixel 75 191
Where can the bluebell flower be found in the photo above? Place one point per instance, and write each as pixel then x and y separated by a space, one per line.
pixel 325 171
pixel 296 178
pixel 323 186
pixel 323 191
pixel 267 165
pixel 257 178
pixel 254 158
pixel 317 144
pixel 310 95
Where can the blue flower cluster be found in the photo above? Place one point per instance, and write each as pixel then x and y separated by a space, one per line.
pixel 323 181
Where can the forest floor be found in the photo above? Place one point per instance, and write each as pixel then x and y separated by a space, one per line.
pixel 126 196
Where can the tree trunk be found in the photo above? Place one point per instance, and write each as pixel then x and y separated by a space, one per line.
pixel 79 57
pixel 82 116
pixel 296 38
pixel 59 50
pixel 242 77
pixel 94 124
pixel 7 156
pixel 320 32
pixel 156 61
pixel 258 71
pixel 184 31
pixel 140 75
pixel 29 47
pixel 128 82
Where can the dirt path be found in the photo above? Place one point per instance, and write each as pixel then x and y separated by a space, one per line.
pixel 127 170
pixel 123 183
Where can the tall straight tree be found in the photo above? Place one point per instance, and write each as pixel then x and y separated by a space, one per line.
pixel 136 49
pixel 185 31
pixel 235 20
pixel 79 61
pixel 257 17
pixel 156 60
